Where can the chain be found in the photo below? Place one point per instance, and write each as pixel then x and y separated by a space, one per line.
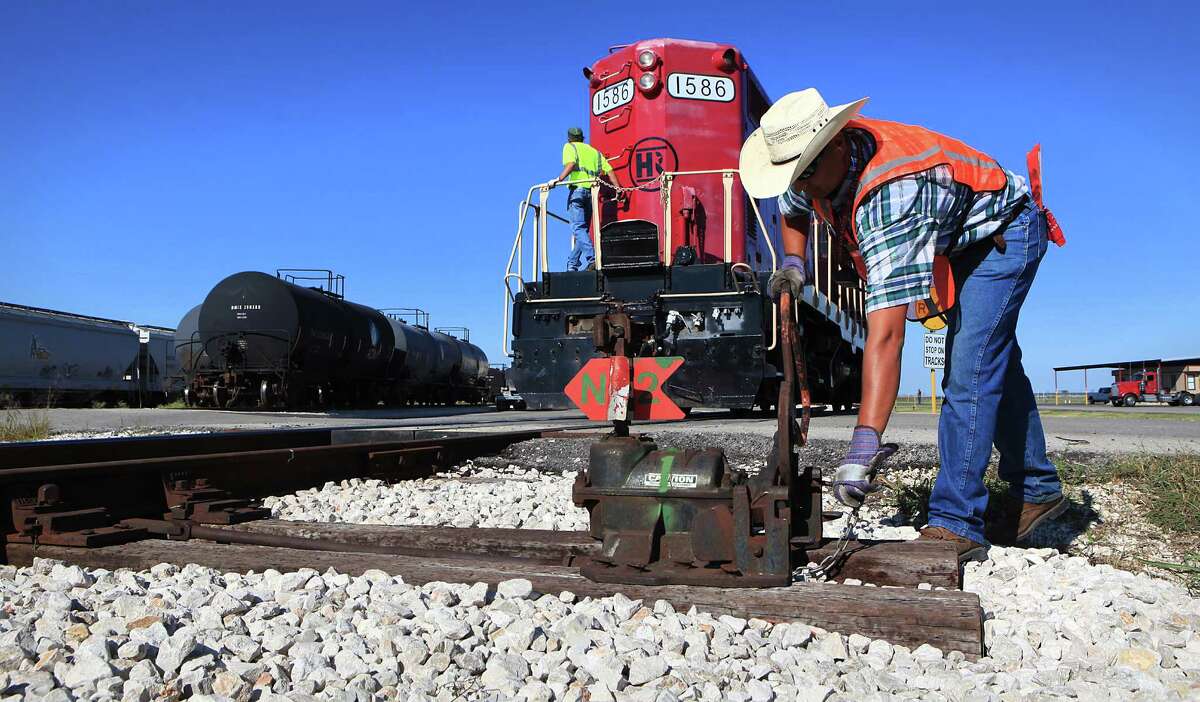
pixel 618 189
pixel 648 186
pixel 820 571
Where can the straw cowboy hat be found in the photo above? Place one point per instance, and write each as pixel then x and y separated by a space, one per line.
pixel 793 132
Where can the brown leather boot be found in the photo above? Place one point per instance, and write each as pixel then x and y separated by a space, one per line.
pixel 1019 519
pixel 967 549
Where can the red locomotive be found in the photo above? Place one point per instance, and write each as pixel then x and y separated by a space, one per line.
pixel 683 253
pixel 667 105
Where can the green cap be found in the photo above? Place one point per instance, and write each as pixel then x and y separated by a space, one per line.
pixel 575 134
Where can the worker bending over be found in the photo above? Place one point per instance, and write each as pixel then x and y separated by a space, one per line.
pixel 919 211
pixel 582 165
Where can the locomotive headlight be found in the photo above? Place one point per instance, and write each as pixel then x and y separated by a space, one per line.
pixel 646 59
pixel 648 81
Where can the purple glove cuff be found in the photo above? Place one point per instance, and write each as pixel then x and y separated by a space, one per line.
pixel 793 261
pixel 864 444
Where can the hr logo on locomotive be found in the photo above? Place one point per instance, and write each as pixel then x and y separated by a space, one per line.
pixel 651 156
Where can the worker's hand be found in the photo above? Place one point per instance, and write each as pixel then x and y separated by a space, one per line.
pixel 790 275
pixel 855 477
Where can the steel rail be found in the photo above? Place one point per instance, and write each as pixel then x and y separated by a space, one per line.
pixel 43 453
pixel 282 456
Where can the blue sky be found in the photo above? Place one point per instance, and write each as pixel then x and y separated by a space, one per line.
pixel 148 149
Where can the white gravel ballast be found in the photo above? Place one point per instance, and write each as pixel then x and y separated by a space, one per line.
pixel 1057 628
pixel 465 496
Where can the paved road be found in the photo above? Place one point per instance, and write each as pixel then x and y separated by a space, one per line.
pixel 1133 432
pixel 1101 434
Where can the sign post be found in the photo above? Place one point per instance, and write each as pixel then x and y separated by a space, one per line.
pixel 935 358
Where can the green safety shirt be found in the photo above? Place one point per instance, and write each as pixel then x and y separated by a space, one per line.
pixel 591 163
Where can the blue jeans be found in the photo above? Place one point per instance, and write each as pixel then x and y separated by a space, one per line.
pixel 988 398
pixel 579 211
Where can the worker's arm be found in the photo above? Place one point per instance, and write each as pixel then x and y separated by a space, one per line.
pixel 889 270
pixel 854 479
pixel 610 179
pixel 566 171
pixel 881 366
pixel 606 174
pixel 795 236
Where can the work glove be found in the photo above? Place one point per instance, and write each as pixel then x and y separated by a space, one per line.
pixel 855 477
pixel 790 274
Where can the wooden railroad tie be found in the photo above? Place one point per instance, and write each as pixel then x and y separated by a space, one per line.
pixel 948 619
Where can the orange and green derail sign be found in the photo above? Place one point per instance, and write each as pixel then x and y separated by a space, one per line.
pixel 605 389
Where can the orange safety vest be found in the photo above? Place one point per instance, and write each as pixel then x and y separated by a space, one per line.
pixel 902 150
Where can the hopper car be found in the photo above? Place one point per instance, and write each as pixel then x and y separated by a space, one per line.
pixel 49 357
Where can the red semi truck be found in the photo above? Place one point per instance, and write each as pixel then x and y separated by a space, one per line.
pixel 1146 386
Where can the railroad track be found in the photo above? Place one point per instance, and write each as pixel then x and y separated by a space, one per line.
pixel 133 507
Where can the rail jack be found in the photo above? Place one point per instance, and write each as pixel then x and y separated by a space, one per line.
pixel 688 517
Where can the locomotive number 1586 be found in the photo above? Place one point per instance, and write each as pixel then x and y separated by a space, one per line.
pixel 690 86
pixel 612 97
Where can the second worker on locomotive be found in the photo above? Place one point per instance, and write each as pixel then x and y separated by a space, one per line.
pixel 583 168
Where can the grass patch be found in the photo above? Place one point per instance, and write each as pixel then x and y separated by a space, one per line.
pixel 1167 485
pixel 174 404
pixel 912 498
pixel 25 425
pixel 1093 414
pixel 1188 570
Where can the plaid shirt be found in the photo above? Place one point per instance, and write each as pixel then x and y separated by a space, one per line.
pixel 904 222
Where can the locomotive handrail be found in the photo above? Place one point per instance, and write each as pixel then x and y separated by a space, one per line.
pixel 552 215
pixel 727 174
pixel 842 301
pixel 541 252
pixel 517 253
